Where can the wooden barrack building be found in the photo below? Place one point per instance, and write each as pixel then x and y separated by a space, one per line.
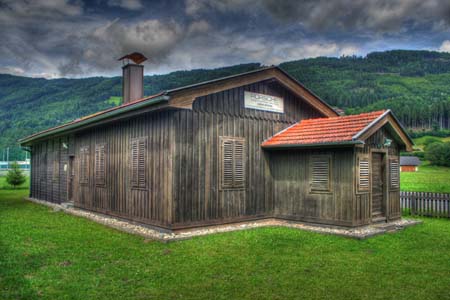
pixel 244 147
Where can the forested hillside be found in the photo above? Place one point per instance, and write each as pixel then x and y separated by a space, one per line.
pixel 414 84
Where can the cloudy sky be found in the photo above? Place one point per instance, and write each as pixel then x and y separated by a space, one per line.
pixel 75 38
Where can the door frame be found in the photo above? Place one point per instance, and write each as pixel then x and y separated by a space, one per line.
pixel 385 199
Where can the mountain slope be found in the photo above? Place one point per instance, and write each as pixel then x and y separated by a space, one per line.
pixel 414 84
pixel 28 105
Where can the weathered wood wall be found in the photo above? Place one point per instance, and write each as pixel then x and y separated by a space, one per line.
pixel 362 203
pixel 196 193
pixel 182 167
pixel 150 205
pixel 182 161
pixel 294 199
pixel 49 182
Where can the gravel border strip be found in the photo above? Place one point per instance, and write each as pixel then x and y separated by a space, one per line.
pixel 163 235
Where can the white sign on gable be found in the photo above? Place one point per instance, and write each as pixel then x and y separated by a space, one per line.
pixel 263 102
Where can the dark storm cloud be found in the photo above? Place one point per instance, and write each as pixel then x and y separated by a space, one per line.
pixel 127 4
pixel 361 15
pixel 28 32
pixel 54 38
pixel 60 39
pixel 354 15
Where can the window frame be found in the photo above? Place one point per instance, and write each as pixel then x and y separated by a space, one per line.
pixel 329 188
pixel 84 159
pixel 100 149
pixel 43 159
pixel 55 166
pixel 358 174
pixel 392 185
pixel 136 181
pixel 235 184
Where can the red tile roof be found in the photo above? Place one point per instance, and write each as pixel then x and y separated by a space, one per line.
pixel 323 130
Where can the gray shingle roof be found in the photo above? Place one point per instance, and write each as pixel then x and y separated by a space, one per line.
pixel 409 161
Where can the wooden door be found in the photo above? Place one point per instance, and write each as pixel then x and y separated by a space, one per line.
pixel 70 179
pixel 378 181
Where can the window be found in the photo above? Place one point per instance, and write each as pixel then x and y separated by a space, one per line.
pixel 320 173
pixel 84 165
pixel 232 163
pixel 100 176
pixel 394 173
pixel 54 154
pixel 138 163
pixel 363 174
pixel 43 164
pixel 55 171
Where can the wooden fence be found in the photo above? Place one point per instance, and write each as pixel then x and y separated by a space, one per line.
pixel 426 204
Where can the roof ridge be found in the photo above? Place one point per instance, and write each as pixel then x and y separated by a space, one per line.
pixel 379 112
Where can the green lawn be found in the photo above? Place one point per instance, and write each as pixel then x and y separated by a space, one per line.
pixel 51 255
pixel 427 179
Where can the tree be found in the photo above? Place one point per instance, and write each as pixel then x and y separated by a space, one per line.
pixel 429 141
pixel 438 154
pixel 15 176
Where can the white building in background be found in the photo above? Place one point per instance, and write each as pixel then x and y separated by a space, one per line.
pixel 25 164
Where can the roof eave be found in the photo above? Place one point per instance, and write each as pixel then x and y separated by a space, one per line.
pixel 194 85
pixel 378 119
pixel 403 128
pixel 307 89
pixel 71 126
pixel 315 145
pixel 365 129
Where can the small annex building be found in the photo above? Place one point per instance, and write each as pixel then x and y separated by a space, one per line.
pixel 244 147
pixel 409 163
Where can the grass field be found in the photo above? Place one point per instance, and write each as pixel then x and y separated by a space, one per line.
pixel 427 179
pixel 50 255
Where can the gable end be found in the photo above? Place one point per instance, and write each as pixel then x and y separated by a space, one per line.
pixel 184 98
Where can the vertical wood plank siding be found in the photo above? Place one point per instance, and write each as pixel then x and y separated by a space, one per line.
pixel 147 203
pixel 292 187
pixel 362 200
pixel 44 184
pixel 197 196
pixel 115 196
pixel 182 165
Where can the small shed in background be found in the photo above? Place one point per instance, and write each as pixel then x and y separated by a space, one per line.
pixel 409 163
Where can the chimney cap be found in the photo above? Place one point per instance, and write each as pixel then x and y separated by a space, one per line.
pixel 136 57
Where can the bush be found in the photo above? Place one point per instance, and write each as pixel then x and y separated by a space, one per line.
pixel 438 154
pixel 430 140
pixel 421 133
pixel 15 176
pixel 419 154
